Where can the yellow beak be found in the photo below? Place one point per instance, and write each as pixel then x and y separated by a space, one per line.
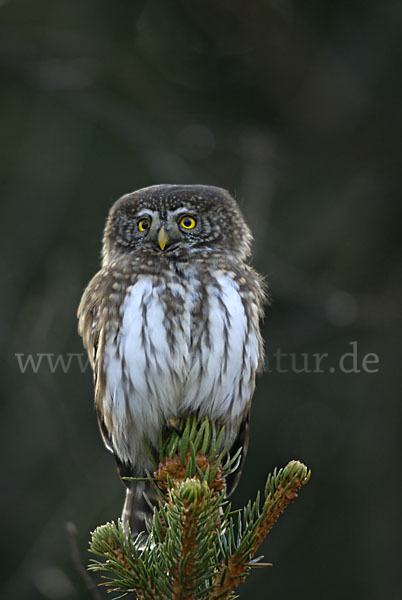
pixel 163 238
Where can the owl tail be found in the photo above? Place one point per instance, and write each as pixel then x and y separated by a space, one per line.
pixel 138 506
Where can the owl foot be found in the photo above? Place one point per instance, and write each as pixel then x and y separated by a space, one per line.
pixel 173 426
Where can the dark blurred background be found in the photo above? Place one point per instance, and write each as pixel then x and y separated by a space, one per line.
pixel 295 107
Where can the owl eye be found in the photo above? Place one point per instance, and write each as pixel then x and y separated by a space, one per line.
pixel 144 224
pixel 188 222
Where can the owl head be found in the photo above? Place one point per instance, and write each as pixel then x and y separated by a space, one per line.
pixel 176 221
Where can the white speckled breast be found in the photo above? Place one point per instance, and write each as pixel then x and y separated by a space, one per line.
pixel 181 347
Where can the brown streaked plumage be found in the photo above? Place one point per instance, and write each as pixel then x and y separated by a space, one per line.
pixel 171 323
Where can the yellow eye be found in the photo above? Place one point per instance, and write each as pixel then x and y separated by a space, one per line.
pixel 144 224
pixel 188 222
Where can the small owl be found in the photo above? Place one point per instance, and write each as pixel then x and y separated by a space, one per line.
pixel 171 324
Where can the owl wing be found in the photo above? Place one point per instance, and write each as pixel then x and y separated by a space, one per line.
pixel 88 314
pixel 241 441
pixel 254 291
pixel 91 329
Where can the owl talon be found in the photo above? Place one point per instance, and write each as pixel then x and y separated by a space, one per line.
pixel 173 425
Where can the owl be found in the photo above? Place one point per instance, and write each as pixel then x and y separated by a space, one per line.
pixel 171 325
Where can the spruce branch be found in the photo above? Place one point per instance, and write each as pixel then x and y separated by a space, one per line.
pixel 196 547
pixel 280 490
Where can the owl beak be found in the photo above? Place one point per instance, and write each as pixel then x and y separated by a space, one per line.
pixel 163 238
